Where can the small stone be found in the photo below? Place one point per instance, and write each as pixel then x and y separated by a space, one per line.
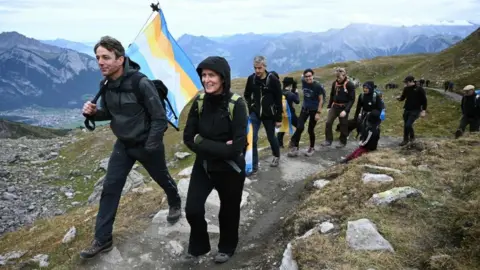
pixel 319 184
pixel 326 226
pixel 70 235
pixel 362 234
pixel 11 189
pixel 177 248
pixel 42 260
pixel 376 178
pixel 9 196
pixel 182 155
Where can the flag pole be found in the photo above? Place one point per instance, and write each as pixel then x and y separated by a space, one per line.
pixel 155 8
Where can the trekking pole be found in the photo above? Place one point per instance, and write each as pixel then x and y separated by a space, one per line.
pixel 89 123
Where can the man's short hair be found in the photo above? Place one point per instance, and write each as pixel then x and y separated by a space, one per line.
pixel 112 45
pixel 260 59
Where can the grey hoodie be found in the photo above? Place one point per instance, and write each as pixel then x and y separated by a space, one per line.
pixel 133 122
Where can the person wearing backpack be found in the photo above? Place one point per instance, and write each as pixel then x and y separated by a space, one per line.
pixel 139 128
pixel 342 98
pixel 313 100
pixel 368 101
pixel 291 96
pixel 216 132
pixel 263 94
pixel 470 106
pixel 415 106
pixel 369 137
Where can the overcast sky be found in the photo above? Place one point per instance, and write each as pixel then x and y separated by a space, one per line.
pixel 88 20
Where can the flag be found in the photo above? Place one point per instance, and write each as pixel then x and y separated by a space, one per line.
pixel 161 58
pixel 249 152
pixel 286 118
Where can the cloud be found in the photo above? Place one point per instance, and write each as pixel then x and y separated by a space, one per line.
pixel 88 20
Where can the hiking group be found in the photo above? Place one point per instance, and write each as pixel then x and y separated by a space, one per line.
pixel 216 132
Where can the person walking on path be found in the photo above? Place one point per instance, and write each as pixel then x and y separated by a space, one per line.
pixel 216 132
pixel 342 98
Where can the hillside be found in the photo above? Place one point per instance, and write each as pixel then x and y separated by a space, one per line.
pixel 14 130
pixel 32 72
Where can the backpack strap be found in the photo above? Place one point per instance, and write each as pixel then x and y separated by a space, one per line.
pixel 231 104
pixel 200 104
pixel 136 78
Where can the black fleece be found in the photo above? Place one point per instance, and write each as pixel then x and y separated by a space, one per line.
pixel 264 100
pixel 416 98
pixel 133 122
pixel 471 106
pixel 214 126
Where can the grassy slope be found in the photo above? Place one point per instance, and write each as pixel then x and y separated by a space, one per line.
pixel 14 130
pixel 446 221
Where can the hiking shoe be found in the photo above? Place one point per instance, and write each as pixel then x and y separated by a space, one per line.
pixel 458 134
pixel 310 152
pixel 174 213
pixel 326 143
pixel 222 257
pixel 403 143
pixel 341 145
pixel 275 162
pixel 253 173
pixel 293 152
pixel 96 248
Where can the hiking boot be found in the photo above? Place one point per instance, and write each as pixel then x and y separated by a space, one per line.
pixel 326 143
pixel 341 145
pixel 253 173
pixel 222 257
pixel 293 152
pixel 403 143
pixel 96 248
pixel 310 152
pixel 458 134
pixel 275 162
pixel 174 214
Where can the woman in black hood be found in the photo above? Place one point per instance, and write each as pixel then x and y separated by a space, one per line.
pixel 216 131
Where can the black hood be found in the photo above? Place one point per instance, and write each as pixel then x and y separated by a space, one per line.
pixel 220 66
pixel 129 66
pixel 370 85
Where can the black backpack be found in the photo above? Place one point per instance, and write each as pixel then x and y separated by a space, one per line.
pixel 162 93
pixel 136 77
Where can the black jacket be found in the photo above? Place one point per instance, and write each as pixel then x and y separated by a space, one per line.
pixel 366 103
pixel 471 106
pixel 264 100
pixel 415 98
pixel 214 126
pixel 340 95
pixel 133 122
pixel 291 97
pixel 371 131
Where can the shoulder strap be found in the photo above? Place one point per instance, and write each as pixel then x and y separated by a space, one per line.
pixel 136 78
pixel 268 79
pixel 200 103
pixel 374 97
pixel 231 104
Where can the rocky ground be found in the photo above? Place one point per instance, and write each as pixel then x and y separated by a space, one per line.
pixel 26 186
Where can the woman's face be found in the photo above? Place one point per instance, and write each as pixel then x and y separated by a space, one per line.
pixel 212 82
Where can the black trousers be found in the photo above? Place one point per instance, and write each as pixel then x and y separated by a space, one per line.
pixel 409 118
pixel 119 166
pixel 302 119
pixel 473 122
pixel 229 185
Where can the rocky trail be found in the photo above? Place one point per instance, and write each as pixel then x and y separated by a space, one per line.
pixel 268 197
pixel 451 95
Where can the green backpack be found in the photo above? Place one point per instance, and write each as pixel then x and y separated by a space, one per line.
pixel 231 104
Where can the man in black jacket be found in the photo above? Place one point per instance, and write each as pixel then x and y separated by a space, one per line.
pixel 216 132
pixel 263 94
pixel 415 106
pixel 342 98
pixel 470 106
pixel 138 126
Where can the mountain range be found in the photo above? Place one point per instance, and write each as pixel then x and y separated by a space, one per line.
pixel 32 72
pixel 60 73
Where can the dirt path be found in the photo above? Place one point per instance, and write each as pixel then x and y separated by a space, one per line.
pixel 451 95
pixel 267 200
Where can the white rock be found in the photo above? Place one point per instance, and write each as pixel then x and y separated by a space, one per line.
pixel 177 248
pixel 248 182
pixel 42 260
pixel 380 168
pixel 69 195
pixel 113 256
pixel 319 184
pixel 326 226
pixel 134 179
pixel 70 235
pixel 104 164
pixel 181 226
pixel 182 155
pixel 186 172
pixel 376 178
pixel 288 263
pixel 393 195
pixel 362 234
pixel 244 199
